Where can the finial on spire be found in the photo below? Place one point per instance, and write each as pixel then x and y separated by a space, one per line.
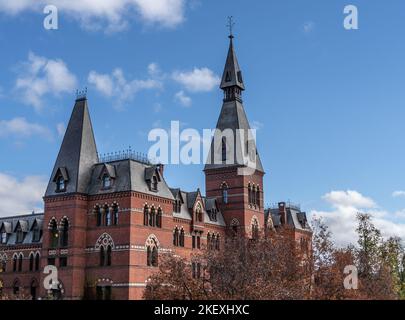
pixel 81 94
pixel 230 26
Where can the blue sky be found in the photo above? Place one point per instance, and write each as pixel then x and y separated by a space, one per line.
pixel 329 103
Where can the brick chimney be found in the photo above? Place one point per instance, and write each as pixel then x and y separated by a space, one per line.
pixel 161 168
pixel 282 211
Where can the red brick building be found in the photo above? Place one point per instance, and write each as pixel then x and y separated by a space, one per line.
pixel 107 221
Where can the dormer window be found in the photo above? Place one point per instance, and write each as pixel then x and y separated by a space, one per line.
pixel 4 237
pixel 20 235
pixel 60 184
pixel 36 234
pixel 61 178
pixel 106 181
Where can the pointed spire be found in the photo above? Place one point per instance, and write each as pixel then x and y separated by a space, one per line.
pixel 232 76
pixel 77 154
pixel 232 117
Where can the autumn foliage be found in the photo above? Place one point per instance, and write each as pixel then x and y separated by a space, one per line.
pixel 273 267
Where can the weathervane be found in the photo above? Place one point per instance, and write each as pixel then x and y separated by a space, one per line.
pixel 230 26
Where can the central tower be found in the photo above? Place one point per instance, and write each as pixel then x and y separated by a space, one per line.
pixel 234 172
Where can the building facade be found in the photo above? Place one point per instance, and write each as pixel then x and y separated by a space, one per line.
pixel 107 221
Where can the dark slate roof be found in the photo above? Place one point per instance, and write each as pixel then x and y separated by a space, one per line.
pixel 232 117
pixel 78 152
pixel 9 224
pixel 210 203
pixel 232 75
pixel 129 176
pixel 23 224
pixel 191 198
pixel 109 169
pixel 295 218
pixel 6 227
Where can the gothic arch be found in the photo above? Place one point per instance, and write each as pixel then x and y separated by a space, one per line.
pixel 51 221
pixel 104 241
pixel 62 221
pixel 235 222
pixel 152 240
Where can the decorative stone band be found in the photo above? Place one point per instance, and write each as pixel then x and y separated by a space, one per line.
pixel 134 210
pixel 130 284
pixel 54 252
pixel 128 248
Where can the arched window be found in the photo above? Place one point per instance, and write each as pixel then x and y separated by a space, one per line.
pixel 53 234
pixel 15 258
pixel 217 243
pixel 145 216
pixel 155 256
pixel 234 227
pixel 152 252
pixel 209 244
pixel 99 216
pixel 31 262
pixel 159 218
pixel 149 256
pixel 20 262
pixel 176 237
pixel 115 213
pixel 108 258
pixel 33 289
pixel 223 149
pixel 224 194
pixel 37 261
pixel 199 213
pixel 249 194
pixel 152 217
pixel 102 256
pixel 107 211
pixel 64 239
pixel 182 238
pixel 258 197
pixel 254 195
pixel 16 287
pixel 255 229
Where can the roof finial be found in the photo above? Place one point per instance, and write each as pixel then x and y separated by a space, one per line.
pixel 81 94
pixel 230 26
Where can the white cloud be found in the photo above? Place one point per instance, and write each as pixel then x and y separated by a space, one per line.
pixel 257 125
pixel 183 99
pixel 20 127
pixel 117 86
pixel 198 80
pixel 61 129
pixel 21 196
pixel 349 199
pixel 308 27
pixel 40 76
pixel 154 69
pixel 111 15
pixel 341 219
pixel 398 194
